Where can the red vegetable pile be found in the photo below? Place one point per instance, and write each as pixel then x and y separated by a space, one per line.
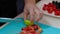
pixel 31 30
pixel 52 7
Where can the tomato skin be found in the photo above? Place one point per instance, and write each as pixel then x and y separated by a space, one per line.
pixel 57 12
pixel 50 5
pixel 45 7
pixel 24 29
pixel 35 27
pixel 54 8
pixel 23 32
pixel 50 10
pixel 29 28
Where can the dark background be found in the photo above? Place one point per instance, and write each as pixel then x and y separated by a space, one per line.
pixel 10 8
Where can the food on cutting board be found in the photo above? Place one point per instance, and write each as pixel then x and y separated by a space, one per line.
pixel 34 29
pixel 51 7
pixel 28 22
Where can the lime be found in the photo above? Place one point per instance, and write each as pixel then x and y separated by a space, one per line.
pixel 28 22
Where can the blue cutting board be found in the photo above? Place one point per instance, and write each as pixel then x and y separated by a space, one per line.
pixel 15 28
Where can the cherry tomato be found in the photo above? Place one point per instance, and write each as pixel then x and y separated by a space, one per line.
pixel 50 4
pixel 23 32
pixel 24 29
pixel 29 28
pixel 45 7
pixel 37 33
pixel 35 27
pixel 50 10
pixel 57 12
pixel 54 7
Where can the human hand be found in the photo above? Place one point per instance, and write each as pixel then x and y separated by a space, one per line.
pixel 32 10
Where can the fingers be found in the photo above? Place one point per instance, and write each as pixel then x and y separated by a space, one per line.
pixel 38 14
pixel 25 14
pixel 31 14
pixel 41 15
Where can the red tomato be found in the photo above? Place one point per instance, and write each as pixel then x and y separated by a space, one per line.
pixel 24 29
pixel 35 27
pixel 57 12
pixel 50 4
pixel 45 7
pixel 50 10
pixel 29 28
pixel 37 33
pixel 54 7
pixel 23 32
pixel 33 32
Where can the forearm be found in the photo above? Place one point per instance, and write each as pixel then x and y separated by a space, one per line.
pixel 30 1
